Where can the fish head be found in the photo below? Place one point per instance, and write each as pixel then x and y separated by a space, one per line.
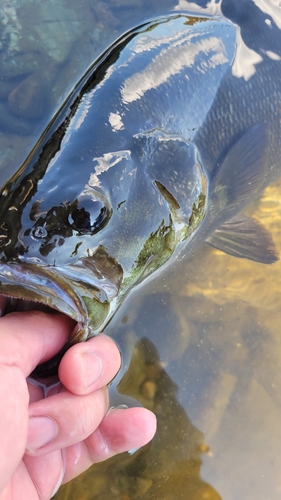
pixel 79 239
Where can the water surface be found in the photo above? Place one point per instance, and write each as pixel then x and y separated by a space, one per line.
pixel 201 344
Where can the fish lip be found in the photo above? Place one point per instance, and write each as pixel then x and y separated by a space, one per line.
pixel 47 286
pixel 65 292
pixel 66 289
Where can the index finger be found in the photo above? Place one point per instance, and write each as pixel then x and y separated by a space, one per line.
pixel 31 337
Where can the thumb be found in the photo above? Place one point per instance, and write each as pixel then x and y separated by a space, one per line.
pixel 27 338
pixel 31 337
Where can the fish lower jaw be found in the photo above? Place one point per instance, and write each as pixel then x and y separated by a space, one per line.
pixel 18 299
pixel 24 288
pixel 49 369
pixel 47 288
pixel 27 285
pixel 12 304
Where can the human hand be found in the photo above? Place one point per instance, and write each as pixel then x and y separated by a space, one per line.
pixel 76 418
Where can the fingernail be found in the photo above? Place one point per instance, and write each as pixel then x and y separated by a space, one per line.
pixel 62 473
pixel 41 430
pixel 133 450
pixel 92 368
pixel 118 407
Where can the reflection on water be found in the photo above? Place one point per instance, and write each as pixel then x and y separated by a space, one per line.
pixel 45 47
pixel 201 346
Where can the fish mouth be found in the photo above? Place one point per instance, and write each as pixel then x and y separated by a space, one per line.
pixel 73 291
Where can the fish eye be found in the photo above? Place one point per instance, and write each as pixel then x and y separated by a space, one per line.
pixel 90 218
pixel 84 216
pixel 80 219
pixel 39 232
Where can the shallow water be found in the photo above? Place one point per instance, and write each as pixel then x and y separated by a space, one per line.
pixel 45 48
pixel 205 347
pixel 201 344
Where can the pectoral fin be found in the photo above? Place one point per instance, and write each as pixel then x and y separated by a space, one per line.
pixel 245 237
pixel 242 173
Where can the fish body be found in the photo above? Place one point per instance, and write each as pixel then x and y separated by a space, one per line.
pixel 158 149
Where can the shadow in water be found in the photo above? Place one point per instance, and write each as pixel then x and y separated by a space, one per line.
pixel 170 463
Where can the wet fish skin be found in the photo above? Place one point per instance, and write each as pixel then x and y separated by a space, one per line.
pixel 150 156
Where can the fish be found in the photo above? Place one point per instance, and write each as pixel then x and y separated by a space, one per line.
pixel 160 146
